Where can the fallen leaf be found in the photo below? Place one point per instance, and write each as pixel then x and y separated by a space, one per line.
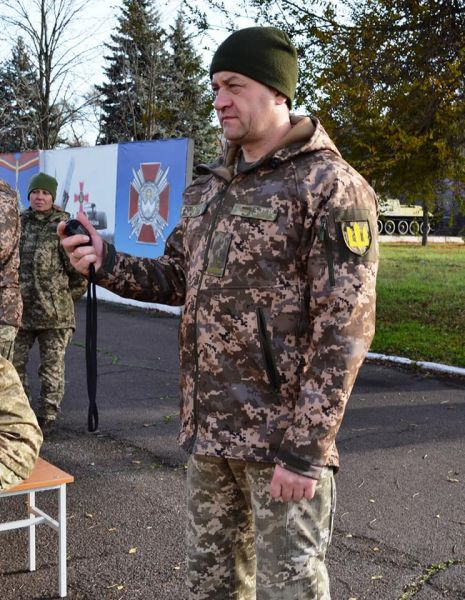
pixel 132 550
pixel 136 462
pixel 88 515
pixel 118 586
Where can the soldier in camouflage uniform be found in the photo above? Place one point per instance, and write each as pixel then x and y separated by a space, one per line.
pixel 11 305
pixel 20 436
pixel 49 288
pixel 275 262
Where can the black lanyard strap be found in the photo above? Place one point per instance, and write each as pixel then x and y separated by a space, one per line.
pixel 91 351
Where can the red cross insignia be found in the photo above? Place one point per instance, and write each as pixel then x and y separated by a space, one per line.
pixel 148 203
pixel 81 197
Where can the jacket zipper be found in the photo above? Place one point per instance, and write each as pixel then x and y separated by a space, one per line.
pixel 196 307
pixel 267 353
pixel 324 237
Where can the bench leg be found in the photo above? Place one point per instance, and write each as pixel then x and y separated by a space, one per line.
pixel 32 532
pixel 62 584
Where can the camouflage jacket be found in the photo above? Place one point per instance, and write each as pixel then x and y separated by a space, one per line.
pixel 10 296
pixel 20 435
pixel 276 267
pixel 49 284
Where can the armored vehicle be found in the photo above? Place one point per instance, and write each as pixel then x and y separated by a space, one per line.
pixel 396 218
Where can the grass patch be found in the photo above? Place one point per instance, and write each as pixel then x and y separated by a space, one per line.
pixel 421 303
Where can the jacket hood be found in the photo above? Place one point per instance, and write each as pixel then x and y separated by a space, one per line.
pixel 306 135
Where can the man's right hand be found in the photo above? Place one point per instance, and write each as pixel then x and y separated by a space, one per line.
pixel 81 257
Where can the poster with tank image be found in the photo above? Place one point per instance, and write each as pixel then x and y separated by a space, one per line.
pixel 86 183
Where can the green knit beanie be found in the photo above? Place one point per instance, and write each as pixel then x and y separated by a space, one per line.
pixel 265 54
pixel 42 181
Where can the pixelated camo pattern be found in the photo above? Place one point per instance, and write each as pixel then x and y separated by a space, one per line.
pixel 279 309
pixel 52 345
pixel 10 230
pixel 20 435
pixel 49 284
pixel 243 544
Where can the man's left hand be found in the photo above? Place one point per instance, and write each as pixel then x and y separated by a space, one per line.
pixel 289 486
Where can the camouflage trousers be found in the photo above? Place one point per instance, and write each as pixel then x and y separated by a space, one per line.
pixel 243 545
pixel 7 341
pixel 52 348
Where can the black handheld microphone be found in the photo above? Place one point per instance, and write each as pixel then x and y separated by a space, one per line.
pixel 75 227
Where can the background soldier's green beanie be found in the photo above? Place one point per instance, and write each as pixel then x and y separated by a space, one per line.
pixel 42 181
pixel 265 54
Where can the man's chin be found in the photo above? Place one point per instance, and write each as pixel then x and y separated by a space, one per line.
pixel 232 135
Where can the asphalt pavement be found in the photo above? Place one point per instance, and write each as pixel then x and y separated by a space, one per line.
pixel 400 523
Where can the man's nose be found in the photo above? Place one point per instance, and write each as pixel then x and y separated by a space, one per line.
pixel 222 99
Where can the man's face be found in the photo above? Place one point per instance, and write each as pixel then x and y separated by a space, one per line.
pixel 40 200
pixel 245 107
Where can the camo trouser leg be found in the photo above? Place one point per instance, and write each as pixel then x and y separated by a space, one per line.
pixel 7 341
pixel 52 348
pixel 23 343
pixel 220 544
pixel 242 545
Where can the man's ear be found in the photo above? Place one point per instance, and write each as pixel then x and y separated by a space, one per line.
pixel 280 99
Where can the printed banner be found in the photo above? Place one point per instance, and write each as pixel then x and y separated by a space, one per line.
pixel 16 169
pixel 86 183
pixel 151 179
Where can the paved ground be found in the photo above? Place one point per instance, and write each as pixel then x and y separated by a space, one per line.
pixel 400 525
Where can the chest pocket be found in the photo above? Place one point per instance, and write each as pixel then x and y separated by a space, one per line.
pixel 218 253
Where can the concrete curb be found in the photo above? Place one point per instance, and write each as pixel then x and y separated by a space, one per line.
pixel 421 364
pixel 416 239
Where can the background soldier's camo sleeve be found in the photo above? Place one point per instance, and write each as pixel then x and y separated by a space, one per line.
pixel 342 324
pixel 20 435
pixel 9 223
pixel 161 280
pixel 10 230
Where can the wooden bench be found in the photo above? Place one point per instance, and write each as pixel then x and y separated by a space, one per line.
pixel 44 477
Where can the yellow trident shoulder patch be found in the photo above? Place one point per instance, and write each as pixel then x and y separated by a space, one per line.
pixel 357 236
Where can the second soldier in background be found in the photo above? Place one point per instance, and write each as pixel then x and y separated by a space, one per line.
pixel 49 288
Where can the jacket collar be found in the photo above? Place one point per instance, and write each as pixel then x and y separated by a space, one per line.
pixel 306 135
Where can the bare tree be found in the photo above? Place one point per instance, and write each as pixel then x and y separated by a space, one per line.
pixel 55 51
